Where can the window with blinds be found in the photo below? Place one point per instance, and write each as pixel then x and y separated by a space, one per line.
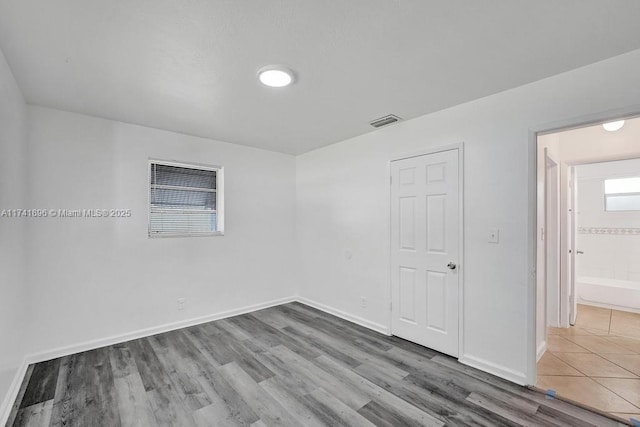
pixel 185 200
pixel 622 194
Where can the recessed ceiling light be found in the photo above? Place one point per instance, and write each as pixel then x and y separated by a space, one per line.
pixel 275 76
pixel 613 126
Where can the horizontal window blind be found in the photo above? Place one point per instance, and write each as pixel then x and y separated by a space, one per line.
pixel 183 200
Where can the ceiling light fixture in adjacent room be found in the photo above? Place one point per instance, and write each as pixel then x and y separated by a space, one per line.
pixel 275 76
pixel 613 126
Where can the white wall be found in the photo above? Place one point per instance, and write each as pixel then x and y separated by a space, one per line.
pixel 614 256
pixel 13 291
pixel 96 278
pixel 343 205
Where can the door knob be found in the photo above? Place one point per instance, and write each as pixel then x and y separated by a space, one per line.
pixel 451 265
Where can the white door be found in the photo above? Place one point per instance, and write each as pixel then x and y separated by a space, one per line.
pixel 425 230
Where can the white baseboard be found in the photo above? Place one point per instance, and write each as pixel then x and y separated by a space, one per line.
pixel 12 394
pixel 609 306
pixel 495 369
pixel 383 329
pixel 540 350
pixel 142 333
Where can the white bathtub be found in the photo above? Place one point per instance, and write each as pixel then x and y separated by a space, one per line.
pixel 610 293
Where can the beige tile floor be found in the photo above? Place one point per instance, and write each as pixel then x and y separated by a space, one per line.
pixel 596 362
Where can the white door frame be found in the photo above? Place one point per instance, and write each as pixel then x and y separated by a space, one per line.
pixel 460 267
pixel 549 240
pixel 572 229
pixel 552 127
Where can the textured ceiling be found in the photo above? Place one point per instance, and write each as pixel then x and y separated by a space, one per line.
pixel 190 66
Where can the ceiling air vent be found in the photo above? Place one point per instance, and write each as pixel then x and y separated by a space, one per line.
pixel 384 121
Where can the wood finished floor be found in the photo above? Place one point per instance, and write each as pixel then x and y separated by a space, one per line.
pixel 289 365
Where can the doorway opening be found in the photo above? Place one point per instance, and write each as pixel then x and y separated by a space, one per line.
pixel 588 266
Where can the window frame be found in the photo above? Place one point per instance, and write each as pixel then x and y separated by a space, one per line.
pixel 219 190
pixel 607 195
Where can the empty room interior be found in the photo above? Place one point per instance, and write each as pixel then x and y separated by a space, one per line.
pixel 389 213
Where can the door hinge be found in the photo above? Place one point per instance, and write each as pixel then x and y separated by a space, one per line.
pixel 391 180
pixel 391 305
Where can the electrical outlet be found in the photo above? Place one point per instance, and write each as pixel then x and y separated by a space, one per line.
pixel 181 303
pixel 363 302
pixel 494 235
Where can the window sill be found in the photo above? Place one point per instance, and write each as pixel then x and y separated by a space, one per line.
pixel 170 235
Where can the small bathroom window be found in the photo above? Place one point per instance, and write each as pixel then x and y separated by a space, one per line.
pixel 622 194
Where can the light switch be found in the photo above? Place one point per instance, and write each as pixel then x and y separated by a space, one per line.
pixel 494 235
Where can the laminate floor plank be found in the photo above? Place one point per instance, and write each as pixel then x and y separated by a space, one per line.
pixel 292 400
pixel 231 409
pixel 237 332
pixel 445 404
pixel 101 405
pixel 450 380
pixel 296 344
pixel 224 398
pixel 339 340
pixel 209 342
pixel 316 343
pixel 504 410
pixel 42 384
pixel 267 408
pixel 293 380
pixel 285 365
pixel 201 346
pixel 167 408
pixel 307 309
pixel 385 415
pixel 130 394
pixel 244 357
pixel 148 365
pixel 38 414
pixel 326 322
pixel 165 398
pixel 335 412
pixel 179 373
pixel 63 392
pixel 70 393
pixel 271 318
pixel 347 393
pixel 257 329
pixel 379 394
